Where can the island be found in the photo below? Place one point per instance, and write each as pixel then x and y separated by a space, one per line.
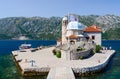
pixel 78 52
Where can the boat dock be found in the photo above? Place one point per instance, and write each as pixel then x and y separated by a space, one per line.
pixel 43 61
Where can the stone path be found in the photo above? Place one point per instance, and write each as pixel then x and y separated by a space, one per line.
pixel 61 73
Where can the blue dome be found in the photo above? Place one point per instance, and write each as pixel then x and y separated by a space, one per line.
pixel 74 25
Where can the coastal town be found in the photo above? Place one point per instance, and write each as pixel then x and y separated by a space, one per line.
pixel 78 52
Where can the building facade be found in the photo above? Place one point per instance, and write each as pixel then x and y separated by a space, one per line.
pixel 93 33
pixel 74 31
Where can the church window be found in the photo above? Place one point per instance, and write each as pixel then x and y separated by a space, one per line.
pixel 93 37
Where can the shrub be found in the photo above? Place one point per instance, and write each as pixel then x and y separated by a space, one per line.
pixel 81 57
pixel 98 48
pixel 92 52
pixel 80 49
pixel 77 49
pixel 58 54
pixel 54 52
pixel 83 49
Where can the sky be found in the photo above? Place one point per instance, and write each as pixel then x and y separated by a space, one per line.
pixel 49 8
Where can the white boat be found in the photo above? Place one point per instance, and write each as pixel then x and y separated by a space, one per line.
pixel 25 46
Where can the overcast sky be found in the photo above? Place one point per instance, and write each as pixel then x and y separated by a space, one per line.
pixel 48 8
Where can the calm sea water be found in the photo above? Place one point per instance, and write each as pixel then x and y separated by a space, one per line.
pixel 8 69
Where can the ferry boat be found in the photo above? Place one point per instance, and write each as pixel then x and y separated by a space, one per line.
pixel 25 46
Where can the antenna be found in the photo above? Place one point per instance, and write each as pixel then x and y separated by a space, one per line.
pixel 77 18
pixel 68 36
pixel 68 17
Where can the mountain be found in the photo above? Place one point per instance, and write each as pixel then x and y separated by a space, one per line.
pixel 50 28
pixel 110 25
pixel 108 21
pixel 33 27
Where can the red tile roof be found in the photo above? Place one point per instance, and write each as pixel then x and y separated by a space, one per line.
pixel 93 28
pixel 73 36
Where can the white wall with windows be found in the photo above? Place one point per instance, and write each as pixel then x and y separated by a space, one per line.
pixel 96 37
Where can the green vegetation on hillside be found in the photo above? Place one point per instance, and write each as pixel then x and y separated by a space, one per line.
pixel 112 34
pixel 34 27
pixel 50 28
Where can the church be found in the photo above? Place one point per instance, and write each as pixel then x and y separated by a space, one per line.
pixel 74 31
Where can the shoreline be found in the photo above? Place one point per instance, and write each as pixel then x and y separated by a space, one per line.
pixel 93 69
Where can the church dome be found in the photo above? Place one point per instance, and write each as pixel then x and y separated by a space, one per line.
pixel 64 18
pixel 74 25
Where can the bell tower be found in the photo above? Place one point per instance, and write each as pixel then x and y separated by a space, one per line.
pixel 64 26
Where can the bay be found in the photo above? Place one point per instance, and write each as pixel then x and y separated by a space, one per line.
pixel 8 69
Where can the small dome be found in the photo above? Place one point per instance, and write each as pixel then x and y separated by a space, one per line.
pixel 74 25
pixel 64 18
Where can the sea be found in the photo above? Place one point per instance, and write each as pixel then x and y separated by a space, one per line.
pixel 8 69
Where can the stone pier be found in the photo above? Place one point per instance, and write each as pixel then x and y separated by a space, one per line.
pixel 61 73
pixel 58 68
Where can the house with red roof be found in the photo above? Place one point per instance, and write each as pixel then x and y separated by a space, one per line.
pixel 93 33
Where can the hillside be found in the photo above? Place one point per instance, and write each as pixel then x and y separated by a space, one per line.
pixel 108 21
pixel 50 28
pixel 33 27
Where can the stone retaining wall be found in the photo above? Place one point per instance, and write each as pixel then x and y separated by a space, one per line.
pixel 76 55
pixel 35 71
pixel 16 62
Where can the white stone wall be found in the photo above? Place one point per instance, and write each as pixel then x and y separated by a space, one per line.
pixel 64 26
pixel 97 37
pixel 75 32
pixel 69 32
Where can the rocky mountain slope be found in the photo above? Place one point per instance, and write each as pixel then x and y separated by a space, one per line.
pixel 108 21
pixel 50 28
